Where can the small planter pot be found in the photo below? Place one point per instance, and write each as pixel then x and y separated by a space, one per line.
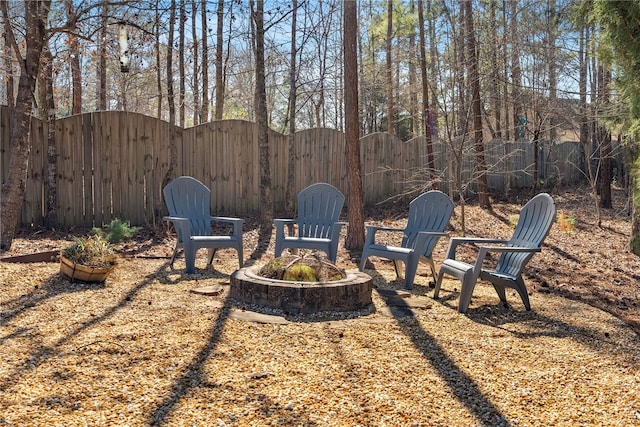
pixel 83 272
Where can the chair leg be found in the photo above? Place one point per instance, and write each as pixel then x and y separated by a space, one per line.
pixel 332 251
pixel 436 290
pixel 211 254
pixel 363 262
pixel 398 268
pixel 332 254
pixel 190 257
pixel 468 284
pixel 280 236
pixel 411 266
pixel 500 290
pixel 519 287
pixel 432 267
pixel 279 249
pixel 173 257
pixel 240 256
pixel 190 260
pixel 522 291
pixel 363 259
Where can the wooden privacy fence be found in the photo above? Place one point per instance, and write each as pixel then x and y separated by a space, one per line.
pixel 112 164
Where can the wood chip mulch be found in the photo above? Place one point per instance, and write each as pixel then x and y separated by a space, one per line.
pixel 145 349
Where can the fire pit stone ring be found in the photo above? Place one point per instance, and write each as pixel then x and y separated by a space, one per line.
pixel 349 294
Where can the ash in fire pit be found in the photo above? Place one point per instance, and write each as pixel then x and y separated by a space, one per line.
pixel 302 285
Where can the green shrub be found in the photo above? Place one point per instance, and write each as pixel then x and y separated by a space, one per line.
pixel 117 231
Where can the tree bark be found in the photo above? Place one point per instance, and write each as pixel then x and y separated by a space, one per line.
pixel 196 65
pixel 474 77
pixel 36 13
pixel 413 95
pixel 495 65
pixel 173 148
pixel 182 86
pixel 389 70
pixel 516 74
pixel 101 90
pixel 260 100
pixel 51 182
pixel 290 190
pixel 553 71
pixel 219 73
pixel 8 61
pixel 426 119
pixel 355 206
pixel 204 110
pixel 158 62
pixel 74 62
pixel 634 240
pixel 604 139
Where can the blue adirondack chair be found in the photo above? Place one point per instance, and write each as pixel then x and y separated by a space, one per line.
pixel 188 202
pixel 318 225
pixel 429 214
pixel 534 223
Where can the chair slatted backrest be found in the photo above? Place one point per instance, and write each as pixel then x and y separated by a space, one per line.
pixel 319 207
pixel 186 197
pixel 429 211
pixel 534 224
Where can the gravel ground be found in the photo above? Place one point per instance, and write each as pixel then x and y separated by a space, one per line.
pixel 144 349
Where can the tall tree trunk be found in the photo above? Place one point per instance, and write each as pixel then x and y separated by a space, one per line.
pixel 634 240
pixel 582 88
pixel 553 70
pixel 158 61
pixel 260 100
pixel 51 191
pixel 12 194
pixel 474 80
pixel 495 74
pixel 519 115
pixel 101 90
pixel 173 147
pixel 370 94
pixel 389 70
pixel 463 105
pixel 219 73
pixel 413 95
pixel 204 114
pixel 74 62
pixel 426 120
pixel 196 64
pixel 355 206
pixel 170 95
pixel 8 65
pixel 433 72
pixel 604 140
pixel 290 186
pixel 605 170
pixel 181 65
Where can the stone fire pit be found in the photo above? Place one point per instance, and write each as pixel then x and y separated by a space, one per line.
pixel 350 293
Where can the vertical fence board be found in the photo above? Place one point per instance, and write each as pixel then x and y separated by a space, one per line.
pixel 88 198
pixel 110 126
pixel 65 170
pixel 96 166
pixel 138 160
pixel 145 149
pixel 77 159
pixel 37 168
